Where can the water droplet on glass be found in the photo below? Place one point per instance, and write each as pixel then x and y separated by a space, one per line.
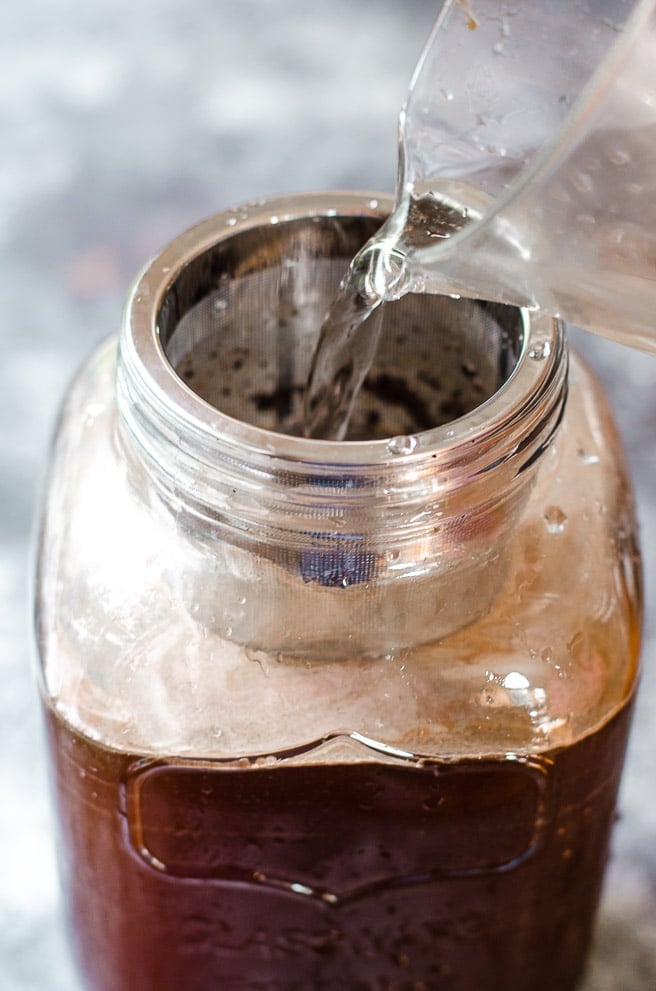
pixel 515 681
pixel 373 204
pixel 219 304
pixel 266 760
pixel 447 94
pixel 402 445
pixel 274 220
pixel 555 519
pixel 540 350
pixel 231 221
pixel 561 194
pixel 583 182
pixel 547 655
pixel 617 156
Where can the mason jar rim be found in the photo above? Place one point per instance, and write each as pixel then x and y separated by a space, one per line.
pixel 153 380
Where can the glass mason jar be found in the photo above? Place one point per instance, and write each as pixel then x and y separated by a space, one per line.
pixel 332 716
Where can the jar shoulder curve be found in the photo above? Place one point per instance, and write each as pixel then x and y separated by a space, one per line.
pixel 583 496
pixel 569 618
pixel 99 533
pixel 137 644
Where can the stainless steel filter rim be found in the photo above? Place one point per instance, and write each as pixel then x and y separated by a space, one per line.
pixel 173 282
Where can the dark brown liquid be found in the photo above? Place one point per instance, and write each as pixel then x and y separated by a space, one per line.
pixel 369 876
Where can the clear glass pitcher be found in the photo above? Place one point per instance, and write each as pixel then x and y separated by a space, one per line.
pixel 346 716
pixel 537 123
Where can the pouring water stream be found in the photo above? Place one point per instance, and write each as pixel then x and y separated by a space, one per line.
pixel 525 176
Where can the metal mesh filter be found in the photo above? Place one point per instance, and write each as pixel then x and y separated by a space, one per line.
pixel 241 321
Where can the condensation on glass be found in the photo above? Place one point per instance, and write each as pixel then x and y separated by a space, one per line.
pixel 332 715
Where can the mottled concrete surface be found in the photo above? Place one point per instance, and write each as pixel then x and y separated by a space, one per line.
pixel 121 123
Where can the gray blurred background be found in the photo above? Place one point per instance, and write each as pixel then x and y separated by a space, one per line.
pixel 121 123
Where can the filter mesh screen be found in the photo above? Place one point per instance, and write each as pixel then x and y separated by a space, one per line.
pixel 242 333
